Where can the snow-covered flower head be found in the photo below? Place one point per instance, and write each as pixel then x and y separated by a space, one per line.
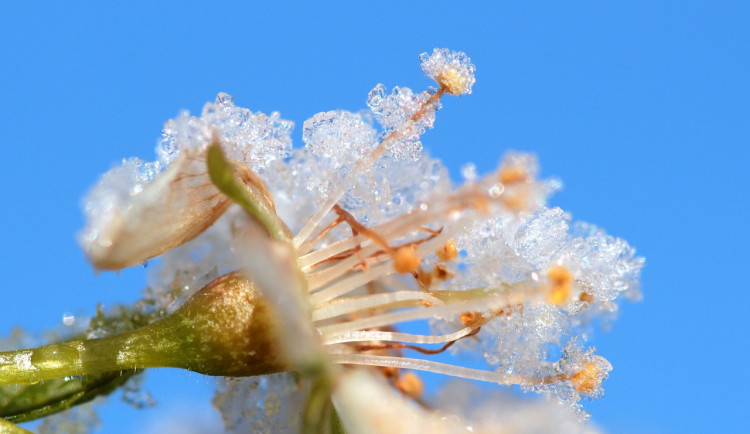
pixel 359 233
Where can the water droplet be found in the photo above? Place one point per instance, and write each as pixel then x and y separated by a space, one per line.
pixel 496 190
pixel 68 319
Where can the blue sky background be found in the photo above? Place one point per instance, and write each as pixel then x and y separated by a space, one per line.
pixel 641 108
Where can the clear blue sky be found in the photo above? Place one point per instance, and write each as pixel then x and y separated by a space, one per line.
pixel 641 108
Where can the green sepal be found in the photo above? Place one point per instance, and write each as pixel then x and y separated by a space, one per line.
pixel 25 402
pixel 11 428
pixel 249 195
pixel 337 427
pixel 316 416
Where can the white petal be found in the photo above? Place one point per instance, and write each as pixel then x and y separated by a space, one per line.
pixel 367 405
pixel 175 208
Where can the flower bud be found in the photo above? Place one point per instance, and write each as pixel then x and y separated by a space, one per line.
pixel 224 329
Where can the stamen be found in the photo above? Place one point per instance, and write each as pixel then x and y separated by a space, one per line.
pixel 489 302
pixel 375 301
pixel 350 283
pixel 376 335
pixel 359 228
pixel 590 377
pixel 431 366
pixel 318 280
pixel 311 242
pixel 398 226
pixel 406 260
pixel 562 281
pixel 447 252
pixel 410 385
pixel 513 175
pixel 364 165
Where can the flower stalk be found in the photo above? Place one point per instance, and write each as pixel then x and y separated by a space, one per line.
pixel 225 329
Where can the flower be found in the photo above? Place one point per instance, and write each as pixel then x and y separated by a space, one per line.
pixel 381 237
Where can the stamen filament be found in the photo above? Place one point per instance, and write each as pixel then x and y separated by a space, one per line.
pixel 368 335
pixel 489 303
pixel 436 367
pixel 362 166
pixel 375 301
pixel 350 283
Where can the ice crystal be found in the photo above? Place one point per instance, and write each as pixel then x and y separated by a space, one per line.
pixel 392 110
pixel 253 138
pixel 268 404
pixel 451 69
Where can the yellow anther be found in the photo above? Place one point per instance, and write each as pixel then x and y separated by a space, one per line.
pixel 513 175
pixel 588 379
pixel 410 385
pixel 471 318
pixel 447 252
pixel 561 283
pixel 452 81
pixel 406 260
pixel 516 199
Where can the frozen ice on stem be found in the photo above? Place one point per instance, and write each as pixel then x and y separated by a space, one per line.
pixel 394 110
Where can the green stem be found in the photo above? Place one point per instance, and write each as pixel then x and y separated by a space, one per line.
pixel 21 403
pixel 11 428
pixel 224 329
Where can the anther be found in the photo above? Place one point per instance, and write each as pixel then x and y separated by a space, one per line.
pixel 589 378
pixel 406 260
pixel 513 175
pixel 410 385
pixel 561 281
pixel 447 252
pixel 452 81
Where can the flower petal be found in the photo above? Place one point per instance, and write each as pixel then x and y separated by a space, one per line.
pixel 173 209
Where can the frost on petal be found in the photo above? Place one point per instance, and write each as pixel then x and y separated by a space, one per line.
pixel 255 139
pixel 452 70
pixel 128 225
pixel 499 410
pixel 265 404
pixel 340 136
pixel 366 404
